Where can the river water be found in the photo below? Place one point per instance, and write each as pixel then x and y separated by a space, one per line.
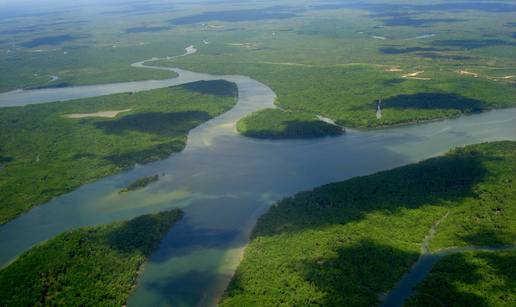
pixel 223 182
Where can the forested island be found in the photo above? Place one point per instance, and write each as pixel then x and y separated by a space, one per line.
pixel 52 148
pixel 139 183
pixel 278 124
pixel 86 267
pixel 348 243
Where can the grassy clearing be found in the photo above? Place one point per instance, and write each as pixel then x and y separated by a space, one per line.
pixel 46 155
pixel 348 242
pixel 85 267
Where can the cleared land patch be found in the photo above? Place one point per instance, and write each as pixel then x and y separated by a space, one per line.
pixel 414 75
pixel 104 114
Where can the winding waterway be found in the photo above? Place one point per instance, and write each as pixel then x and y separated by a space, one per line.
pixel 223 182
pixel 420 270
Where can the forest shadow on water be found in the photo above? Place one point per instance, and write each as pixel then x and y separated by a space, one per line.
pixel 209 224
pixel 344 266
pixel 195 252
pixel 205 238
pixel 173 125
pixel 190 283
pixel 142 233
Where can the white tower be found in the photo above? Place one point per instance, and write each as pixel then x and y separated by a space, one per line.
pixel 379 109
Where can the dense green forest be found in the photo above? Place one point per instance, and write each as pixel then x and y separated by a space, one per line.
pixel 348 94
pixel 347 243
pixel 470 279
pixel 82 66
pixel 46 153
pixel 140 183
pixel 334 61
pixel 338 62
pixel 86 267
pixel 278 124
pixel 342 244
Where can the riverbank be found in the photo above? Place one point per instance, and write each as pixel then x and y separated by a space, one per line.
pixel 348 242
pixel 470 277
pixel 278 124
pixel 414 287
pixel 57 147
pixel 348 95
pixel 256 174
pixel 89 266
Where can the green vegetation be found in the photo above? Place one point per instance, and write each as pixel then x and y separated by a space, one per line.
pixel 345 243
pixel 86 267
pixel 102 76
pixel 470 279
pixel 348 94
pixel 78 63
pixel 140 183
pixel 48 154
pixel 335 60
pixel 341 244
pixel 28 73
pixel 276 124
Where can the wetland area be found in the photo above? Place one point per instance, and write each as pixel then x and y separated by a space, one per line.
pixel 292 153
pixel 224 182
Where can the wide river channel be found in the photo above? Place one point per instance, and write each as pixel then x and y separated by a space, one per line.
pixel 224 182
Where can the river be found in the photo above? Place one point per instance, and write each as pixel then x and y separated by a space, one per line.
pixel 223 182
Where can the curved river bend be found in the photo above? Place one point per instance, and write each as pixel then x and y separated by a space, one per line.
pixel 223 182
